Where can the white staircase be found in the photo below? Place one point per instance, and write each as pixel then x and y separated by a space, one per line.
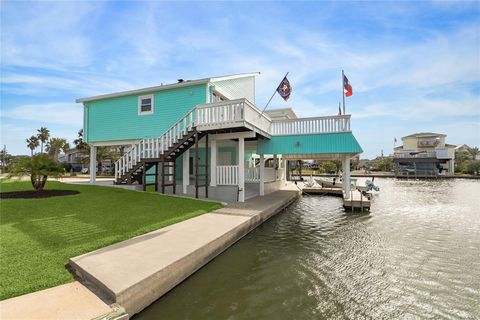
pixel 151 148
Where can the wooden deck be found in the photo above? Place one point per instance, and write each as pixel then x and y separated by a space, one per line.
pixel 357 201
pixel 324 191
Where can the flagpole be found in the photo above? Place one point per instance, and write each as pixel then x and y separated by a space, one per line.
pixel 272 96
pixel 343 91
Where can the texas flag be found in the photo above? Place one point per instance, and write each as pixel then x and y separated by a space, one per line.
pixel 347 88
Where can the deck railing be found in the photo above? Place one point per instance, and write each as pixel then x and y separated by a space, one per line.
pixel 227 175
pixel 252 175
pixel 327 124
pixel 416 154
pixel 231 113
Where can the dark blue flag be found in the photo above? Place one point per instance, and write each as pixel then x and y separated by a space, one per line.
pixel 284 89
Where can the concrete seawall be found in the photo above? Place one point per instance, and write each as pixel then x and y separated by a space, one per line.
pixel 136 272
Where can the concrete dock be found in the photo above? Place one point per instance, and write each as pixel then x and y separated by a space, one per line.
pixel 69 301
pixel 136 272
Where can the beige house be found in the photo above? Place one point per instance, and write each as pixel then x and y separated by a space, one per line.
pixel 424 154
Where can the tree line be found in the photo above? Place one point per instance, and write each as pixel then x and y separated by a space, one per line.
pixel 53 146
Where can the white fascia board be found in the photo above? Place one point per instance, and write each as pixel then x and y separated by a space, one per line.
pixel 114 143
pixel 234 76
pixel 234 135
pixel 144 90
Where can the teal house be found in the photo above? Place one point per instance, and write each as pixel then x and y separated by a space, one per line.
pixel 207 138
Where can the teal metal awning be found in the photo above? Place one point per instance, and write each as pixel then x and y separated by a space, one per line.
pixel 310 144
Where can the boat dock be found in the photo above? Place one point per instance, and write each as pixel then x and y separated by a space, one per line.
pixel 356 201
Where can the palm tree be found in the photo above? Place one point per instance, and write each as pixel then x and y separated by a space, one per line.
pixel 43 135
pixel 79 143
pixel 32 143
pixel 55 145
pixel 473 152
pixel 83 147
pixel 4 158
pixel 104 153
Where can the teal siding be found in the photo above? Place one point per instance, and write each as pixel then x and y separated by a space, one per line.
pixel 310 144
pixel 117 118
pixel 233 154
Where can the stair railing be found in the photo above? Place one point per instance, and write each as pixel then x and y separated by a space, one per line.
pixel 154 147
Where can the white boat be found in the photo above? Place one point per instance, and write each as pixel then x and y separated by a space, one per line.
pixel 334 182
pixel 329 183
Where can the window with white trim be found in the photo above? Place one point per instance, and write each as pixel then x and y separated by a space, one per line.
pixel 145 104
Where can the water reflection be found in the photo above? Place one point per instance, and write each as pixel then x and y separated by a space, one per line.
pixel 415 255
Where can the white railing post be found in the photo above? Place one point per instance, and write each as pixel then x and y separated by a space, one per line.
pixel 93 164
pixel 241 169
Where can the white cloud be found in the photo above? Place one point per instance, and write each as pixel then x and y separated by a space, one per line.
pixel 69 114
pixel 55 39
pixel 82 49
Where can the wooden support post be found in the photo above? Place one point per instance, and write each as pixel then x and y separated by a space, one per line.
pixel 174 181
pixel 156 176
pixel 300 170
pixel 287 172
pixel 206 165
pixel 163 175
pixel 186 171
pixel 144 176
pixel 196 164
pixel 276 166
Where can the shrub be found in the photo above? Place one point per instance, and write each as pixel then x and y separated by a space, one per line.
pixel 39 167
pixel 472 166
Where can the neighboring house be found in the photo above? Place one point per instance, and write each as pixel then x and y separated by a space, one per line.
pixel 465 148
pixel 208 137
pixel 75 158
pixel 424 154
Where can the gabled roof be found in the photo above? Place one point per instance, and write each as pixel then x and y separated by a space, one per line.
pixel 183 83
pixel 462 146
pixel 425 134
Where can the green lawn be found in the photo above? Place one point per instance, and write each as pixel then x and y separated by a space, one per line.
pixel 38 236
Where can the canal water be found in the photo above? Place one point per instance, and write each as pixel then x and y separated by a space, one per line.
pixel 416 255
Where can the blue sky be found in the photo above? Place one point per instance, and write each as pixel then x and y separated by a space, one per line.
pixel 414 66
